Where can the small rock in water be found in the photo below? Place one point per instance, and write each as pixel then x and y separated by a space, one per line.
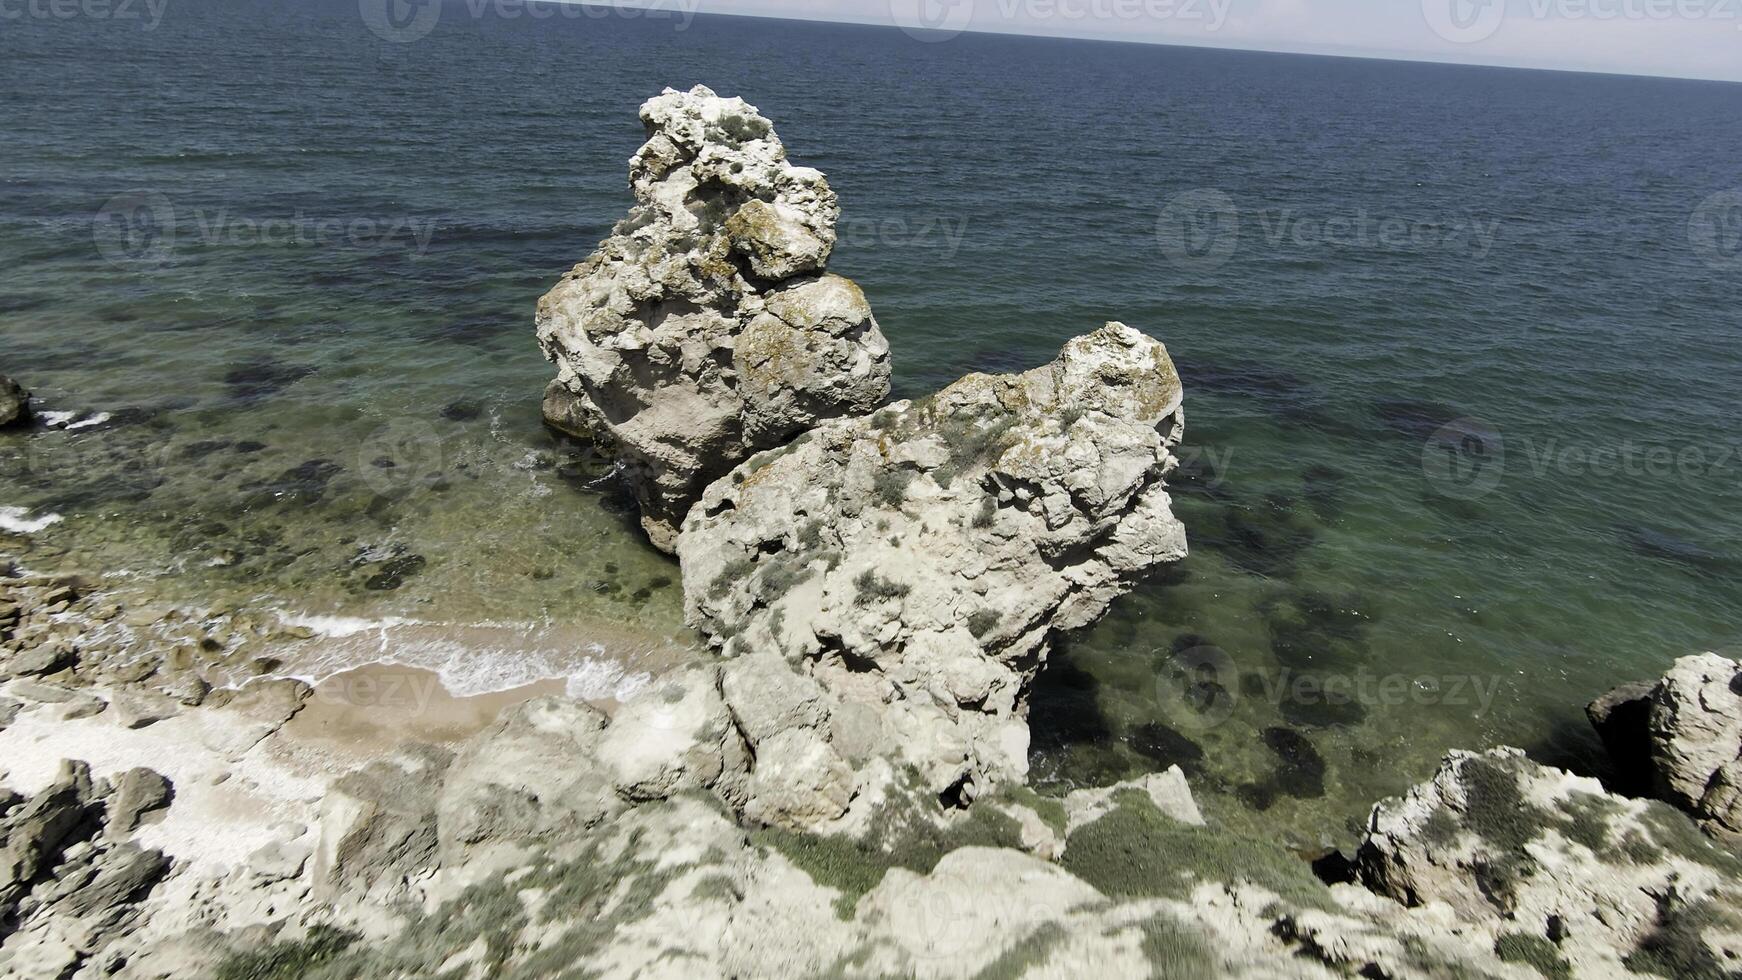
pixel 1167 747
pixel 464 410
pixel 1300 770
pixel 188 688
pixel 1309 699
pixel 1415 418
pixel 392 573
pixel 1656 544
pixel 257 379
pixel 14 403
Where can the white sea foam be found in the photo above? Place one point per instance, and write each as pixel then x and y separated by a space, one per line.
pixel 600 679
pixel 66 420
pixel 343 626
pixel 470 659
pixel 17 520
pixel 85 423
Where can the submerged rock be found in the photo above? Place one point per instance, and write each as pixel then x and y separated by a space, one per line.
pixel 705 328
pixel 919 562
pixel 14 403
pixel 1680 739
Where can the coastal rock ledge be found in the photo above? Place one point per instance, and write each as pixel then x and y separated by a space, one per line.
pixel 1679 739
pixel 917 563
pixel 706 327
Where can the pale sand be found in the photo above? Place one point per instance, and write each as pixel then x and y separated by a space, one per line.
pixel 366 713
pixel 227 806
pixel 213 824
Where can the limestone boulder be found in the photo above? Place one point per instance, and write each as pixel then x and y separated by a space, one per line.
pixel 532 775
pixel 673 737
pixel 917 563
pixel 1679 739
pixel 706 327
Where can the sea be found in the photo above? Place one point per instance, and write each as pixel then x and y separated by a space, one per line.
pixel 1460 349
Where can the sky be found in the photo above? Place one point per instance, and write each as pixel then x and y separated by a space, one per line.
pixel 1679 38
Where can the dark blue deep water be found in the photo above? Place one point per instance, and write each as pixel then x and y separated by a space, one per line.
pixel 1460 345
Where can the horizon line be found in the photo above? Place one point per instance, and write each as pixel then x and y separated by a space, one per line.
pixel 1355 55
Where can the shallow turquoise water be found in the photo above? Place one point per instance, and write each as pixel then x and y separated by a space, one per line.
pixel 1540 261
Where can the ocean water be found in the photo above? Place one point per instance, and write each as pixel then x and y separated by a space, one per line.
pixel 1460 347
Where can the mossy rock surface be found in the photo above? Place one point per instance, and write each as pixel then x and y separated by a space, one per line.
pixel 288 960
pixel 1535 952
pixel 898 838
pixel 1136 851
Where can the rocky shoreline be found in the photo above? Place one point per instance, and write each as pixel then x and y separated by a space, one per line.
pixel 842 791
pixel 657 838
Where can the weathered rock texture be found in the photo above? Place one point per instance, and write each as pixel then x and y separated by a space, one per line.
pixel 14 403
pixel 1585 877
pixel 918 562
pixel 1681 739
pixel 70 879
pixel 705 328
pixel 667 840
pixel 680 887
